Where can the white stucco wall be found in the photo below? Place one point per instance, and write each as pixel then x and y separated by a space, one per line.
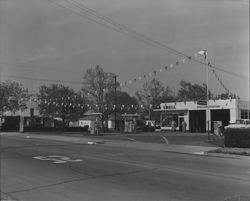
pixel 234 106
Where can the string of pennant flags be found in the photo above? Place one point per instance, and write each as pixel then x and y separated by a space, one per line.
pixel 150 74
pixel 221 83
pixel 73 103
pixel 76 101
pixel 46 100
pixel 53 102
pixel 170 67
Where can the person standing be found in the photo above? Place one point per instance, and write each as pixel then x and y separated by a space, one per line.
pixel 184 126
pixel 173 125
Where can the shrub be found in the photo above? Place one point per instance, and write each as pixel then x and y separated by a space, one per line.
pixel 54 129
pixel 237 137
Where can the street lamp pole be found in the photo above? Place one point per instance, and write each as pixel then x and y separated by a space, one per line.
pixel 204 53
pixel 207 109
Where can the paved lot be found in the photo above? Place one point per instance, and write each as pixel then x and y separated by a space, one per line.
pixel 143 141
pixel 61 168
pixel 199 139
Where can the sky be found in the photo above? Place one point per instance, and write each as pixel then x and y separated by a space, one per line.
pixel 39 39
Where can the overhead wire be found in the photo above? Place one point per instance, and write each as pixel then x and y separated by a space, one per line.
pixel 50 80
pixel 105 25
pixel 121 29
pixel 109 20
pixel 26 66
pixel 39 79
pixel 136 35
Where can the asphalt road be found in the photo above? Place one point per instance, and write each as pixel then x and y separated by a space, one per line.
pixel 44 170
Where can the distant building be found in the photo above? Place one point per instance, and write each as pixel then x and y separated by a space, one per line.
pixel 30 111
pixel 200 116
pixel 89 117
pixel 10 121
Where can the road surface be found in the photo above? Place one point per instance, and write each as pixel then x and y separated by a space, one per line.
pixel 40 169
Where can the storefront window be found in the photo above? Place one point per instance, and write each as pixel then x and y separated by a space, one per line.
pixel 166 120
pixel 244 114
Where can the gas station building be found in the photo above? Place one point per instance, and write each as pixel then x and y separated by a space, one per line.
pixel 200 117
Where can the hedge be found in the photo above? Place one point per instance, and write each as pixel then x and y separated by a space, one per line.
pixel 237 137
pixel 54 129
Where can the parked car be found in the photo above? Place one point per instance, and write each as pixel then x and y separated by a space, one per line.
pixel 241 123
pixel 143 126
pixel 148 128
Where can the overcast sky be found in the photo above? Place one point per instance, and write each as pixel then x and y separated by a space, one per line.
pixel 42 40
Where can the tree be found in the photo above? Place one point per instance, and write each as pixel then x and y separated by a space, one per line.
pixel 225 95
pixel 167 96
pixel 150 95
pixel 12 96
pixel 99 86
pixel 61 101
pixel 126 103
pixel 193 92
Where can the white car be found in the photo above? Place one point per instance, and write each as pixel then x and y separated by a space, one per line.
pixel 242 123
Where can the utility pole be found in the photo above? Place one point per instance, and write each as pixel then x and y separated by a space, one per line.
pixel 149 108
pixel 248 112
pixel 115 111
pixel 0 161
pixel 1 116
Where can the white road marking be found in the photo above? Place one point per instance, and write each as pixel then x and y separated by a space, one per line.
pixel 198 153
pixel 57 159
pixel 165 139
pixel 92 142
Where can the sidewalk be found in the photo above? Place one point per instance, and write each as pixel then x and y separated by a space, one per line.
pixel 187 149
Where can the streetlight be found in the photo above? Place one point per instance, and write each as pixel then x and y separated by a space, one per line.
pixel 204 53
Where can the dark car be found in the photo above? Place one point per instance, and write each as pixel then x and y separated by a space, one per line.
pixel 141 126
pixel 147 128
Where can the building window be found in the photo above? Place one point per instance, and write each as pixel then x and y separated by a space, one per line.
pixel 167 119
pixel 244 114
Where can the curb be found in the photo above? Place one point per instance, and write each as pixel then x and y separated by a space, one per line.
pixel 225 155
pixel 206 154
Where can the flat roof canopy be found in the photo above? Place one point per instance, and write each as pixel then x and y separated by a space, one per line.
pixel 130 115
pixel 92 114
pixel 171 111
